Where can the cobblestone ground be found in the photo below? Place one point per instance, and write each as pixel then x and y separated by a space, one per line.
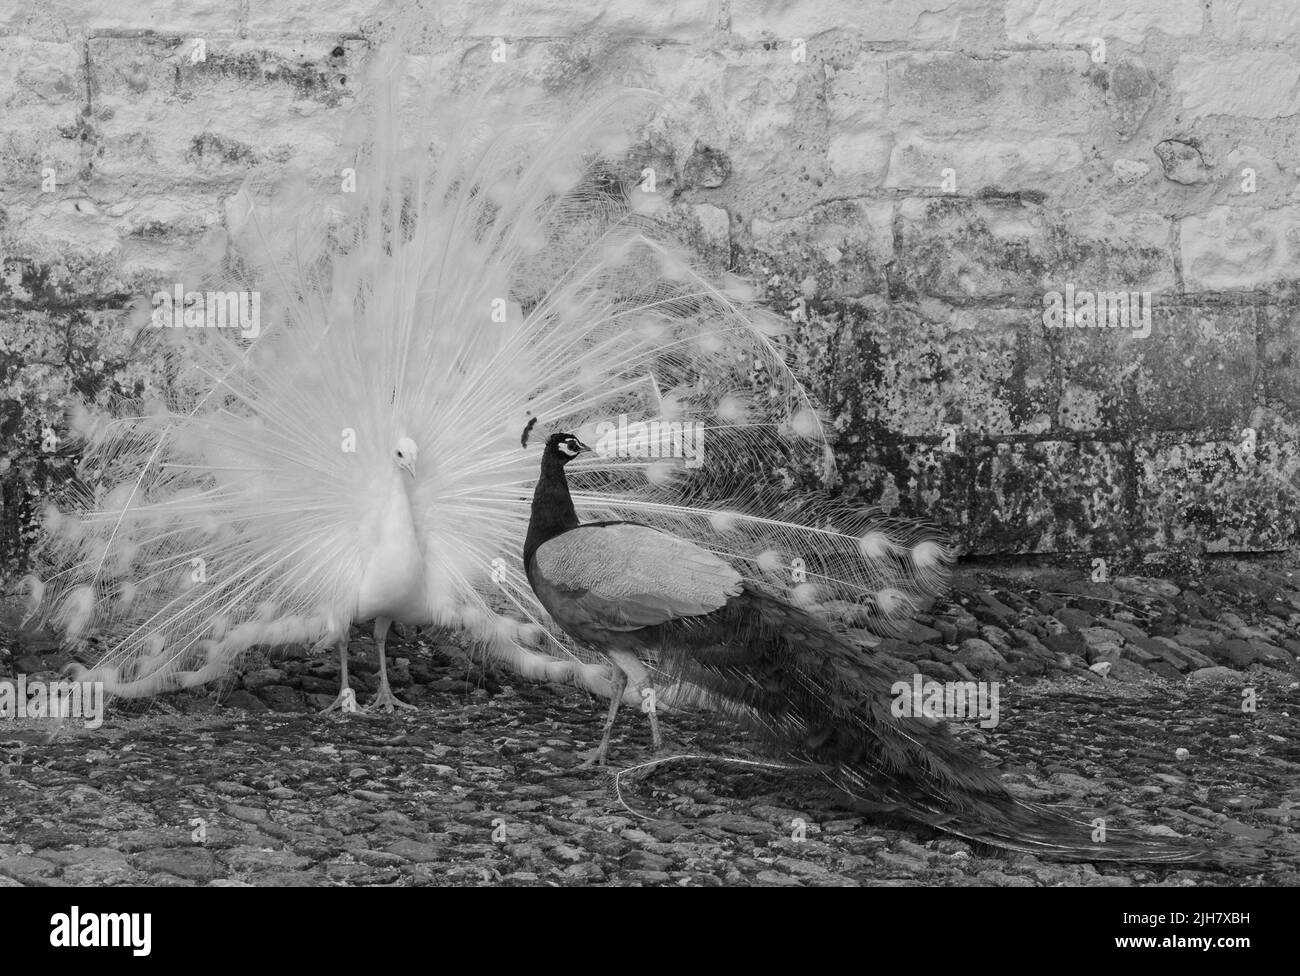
pixel 246 785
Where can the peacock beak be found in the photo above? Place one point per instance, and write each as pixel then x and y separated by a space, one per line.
pixel 583 448
pixel 407 465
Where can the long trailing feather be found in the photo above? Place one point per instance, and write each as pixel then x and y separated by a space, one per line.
pixel 792 679
pixel 489 268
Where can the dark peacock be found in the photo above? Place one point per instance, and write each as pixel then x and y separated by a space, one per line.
pixel 663 608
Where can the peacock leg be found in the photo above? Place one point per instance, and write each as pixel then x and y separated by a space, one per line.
pixel 655 738
pixel 642 679
pixel 384 697
pixel 619 683
pixel 346 702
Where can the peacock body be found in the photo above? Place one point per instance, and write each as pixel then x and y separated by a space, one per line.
pixel 661 607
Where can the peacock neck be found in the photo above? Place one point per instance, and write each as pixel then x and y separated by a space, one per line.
pixel 553 510
pixel 392 577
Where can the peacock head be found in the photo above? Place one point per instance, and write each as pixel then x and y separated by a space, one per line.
pixel 559 446
pixel 564 447
pixel 404 455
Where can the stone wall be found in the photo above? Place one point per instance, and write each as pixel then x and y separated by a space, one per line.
pixel 914 180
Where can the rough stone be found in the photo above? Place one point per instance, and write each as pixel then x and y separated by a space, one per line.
pixel 1080 21
pixel 1129 170
pixel 1256 22
pixel 1182 163
pixel 1264 84
pixel 918 163
pixel 1240 247
pixel 978 654
pixel 706 167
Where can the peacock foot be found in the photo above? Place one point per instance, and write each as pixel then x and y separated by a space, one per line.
pixel 593 757
pixel 346 703
pixel 386 700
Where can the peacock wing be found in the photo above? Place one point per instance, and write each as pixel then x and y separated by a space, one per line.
pixel 624 576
